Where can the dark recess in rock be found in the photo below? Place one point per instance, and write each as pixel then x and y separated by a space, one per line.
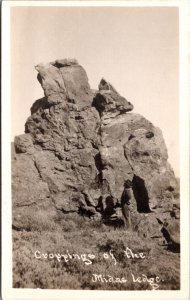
pixel 140 194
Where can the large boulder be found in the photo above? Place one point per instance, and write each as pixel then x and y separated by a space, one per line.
pixel 132 148
pixel 65 81
pixel 81 145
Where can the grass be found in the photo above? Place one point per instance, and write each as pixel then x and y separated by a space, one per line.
pixel 78 235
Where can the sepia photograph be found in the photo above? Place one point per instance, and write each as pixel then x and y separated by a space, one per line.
pixel 96 182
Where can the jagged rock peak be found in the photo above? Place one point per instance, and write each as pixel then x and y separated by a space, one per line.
pixel 104 85
pixel 109 102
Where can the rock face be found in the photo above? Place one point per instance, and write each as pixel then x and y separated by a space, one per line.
pixel 79 148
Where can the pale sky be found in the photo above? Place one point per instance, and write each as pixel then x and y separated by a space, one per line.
pixel 136 49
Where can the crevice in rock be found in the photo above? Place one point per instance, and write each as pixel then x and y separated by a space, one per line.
pixel 26 204
pixel 94 145
pixel 127 156
pixel 109 206
pixel 98 162
pixel 140 194
pixel 36 166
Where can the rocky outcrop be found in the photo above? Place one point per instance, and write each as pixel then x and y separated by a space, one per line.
pixel 79 148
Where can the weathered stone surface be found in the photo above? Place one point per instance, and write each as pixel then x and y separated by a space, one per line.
pixel 30 194
pixel 104 85
pixel 79 147
pixel 65 81
pixel 132 148
pixel 23 143
pixel 108 102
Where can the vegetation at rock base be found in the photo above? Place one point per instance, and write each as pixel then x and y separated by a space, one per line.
pixel 80 235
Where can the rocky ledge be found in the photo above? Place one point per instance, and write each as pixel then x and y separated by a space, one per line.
pixel 80 146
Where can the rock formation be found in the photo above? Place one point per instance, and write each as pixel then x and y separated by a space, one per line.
pixel 79 148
